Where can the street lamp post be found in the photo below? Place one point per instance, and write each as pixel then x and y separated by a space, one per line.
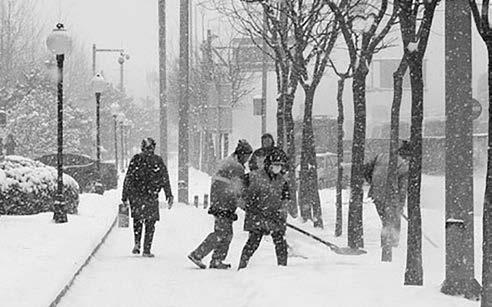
pixel 121 61
pixel 59 43
pixel 128 124
pixel 98 85
pixel 121 120
pixel 115 109
pixel 123 56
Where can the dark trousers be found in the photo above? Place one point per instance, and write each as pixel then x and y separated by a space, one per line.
pixel 149 233
pixel 391 222
pixel 217 241
pixel 254 242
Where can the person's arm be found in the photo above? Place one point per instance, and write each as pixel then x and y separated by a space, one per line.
pixel 253 164
pixel 166 183
pixel 129 178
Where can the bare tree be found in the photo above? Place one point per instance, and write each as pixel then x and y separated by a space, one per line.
pixel 372 24
pixel 268 22
pixel 20 40
pixel 342 77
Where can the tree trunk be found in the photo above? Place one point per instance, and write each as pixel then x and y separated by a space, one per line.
pixel 487 206
pixel 355 227
pixel 291 152
pixel 339 212
pixel 281 129
pixel 414 273
pixel 392 176
pixel 308 194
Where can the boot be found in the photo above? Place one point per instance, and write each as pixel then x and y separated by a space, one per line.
pixel 136 249
pixel 148 255
pixel 242 265
pixel 197 261
pixel 219 265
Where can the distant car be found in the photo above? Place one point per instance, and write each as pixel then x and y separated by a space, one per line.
pixel 328 171
pixel 84 170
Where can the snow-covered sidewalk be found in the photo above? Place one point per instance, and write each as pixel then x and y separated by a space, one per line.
pixel 38 257
pixel 115 277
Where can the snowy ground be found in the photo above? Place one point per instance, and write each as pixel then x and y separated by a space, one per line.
pixel 117 278
pixel 39 257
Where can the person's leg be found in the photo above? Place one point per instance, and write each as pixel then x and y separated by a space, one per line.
pixel 249 249
pixel 137 234
pixel 224 232
pixel 208 244
pixel 383 215
pixel 149 236
pixel 280 247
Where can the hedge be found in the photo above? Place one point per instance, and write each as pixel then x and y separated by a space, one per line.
pixel 29 187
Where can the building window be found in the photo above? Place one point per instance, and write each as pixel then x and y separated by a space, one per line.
pixel 381 76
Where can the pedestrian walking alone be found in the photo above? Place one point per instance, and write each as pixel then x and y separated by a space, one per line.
pixel 225 193
pixel 266 195
pixel 146 176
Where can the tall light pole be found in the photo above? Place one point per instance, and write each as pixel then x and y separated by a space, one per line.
pixel 121 60
pixel 460 279
pixel 121 119
pixel 162 80
pixel 115 111
pixel 59 43
pixel 183 143
pixel 98 86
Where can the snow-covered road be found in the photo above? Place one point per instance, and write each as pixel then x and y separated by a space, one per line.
pixel 117 278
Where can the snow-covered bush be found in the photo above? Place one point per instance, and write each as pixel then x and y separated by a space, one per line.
pixel 29 187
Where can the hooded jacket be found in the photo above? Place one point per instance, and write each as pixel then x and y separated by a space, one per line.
pixel 266 195
pixel 258 157
pixel 226 188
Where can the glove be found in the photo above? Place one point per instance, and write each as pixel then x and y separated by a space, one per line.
pixel 170 200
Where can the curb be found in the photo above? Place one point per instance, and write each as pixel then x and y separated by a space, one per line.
pixel 69 284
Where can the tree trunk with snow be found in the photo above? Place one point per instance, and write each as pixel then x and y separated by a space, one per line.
pixel 282 79
pixel 291 152
pixel 340 119
pixel 355 226
pixel 308 193
pixel 414 272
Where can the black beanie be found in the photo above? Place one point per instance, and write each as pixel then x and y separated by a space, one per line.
pixel 243 147
pixel 148 144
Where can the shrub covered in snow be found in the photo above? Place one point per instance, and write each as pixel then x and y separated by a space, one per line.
pixel 29 187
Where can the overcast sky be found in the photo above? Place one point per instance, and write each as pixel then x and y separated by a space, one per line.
pixel 128 24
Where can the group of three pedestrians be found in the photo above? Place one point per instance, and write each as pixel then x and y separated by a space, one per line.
pixel 263 193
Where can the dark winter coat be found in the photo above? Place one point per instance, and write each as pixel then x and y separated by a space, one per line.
pixel 266 197
pixel 146 176
pixel 226 188
pixel 378 182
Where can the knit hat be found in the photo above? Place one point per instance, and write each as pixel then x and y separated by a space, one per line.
pixel 148 144
pixel 243 147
